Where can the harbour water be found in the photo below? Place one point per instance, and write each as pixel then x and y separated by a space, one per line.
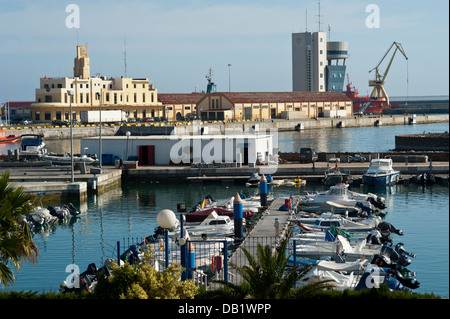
pixel 131 210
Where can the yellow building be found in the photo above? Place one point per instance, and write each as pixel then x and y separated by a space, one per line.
pixel 135 96
pixel 229 106
pixel 179 106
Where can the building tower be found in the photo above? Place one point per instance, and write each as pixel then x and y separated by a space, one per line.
pixel 335 72
pixel 309 57
pixel 81 63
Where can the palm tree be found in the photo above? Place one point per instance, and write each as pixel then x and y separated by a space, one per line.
pixel 268 277
pixel 16 242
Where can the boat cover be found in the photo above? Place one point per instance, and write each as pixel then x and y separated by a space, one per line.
pixel 200 216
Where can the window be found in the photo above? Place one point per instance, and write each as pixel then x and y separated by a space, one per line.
pixel 48 116
pixel 321 75
pixel 87 86
pixel 134 85
pixel 71 85
pixel 81 85
pixel 87 97
pixel 115 98
pixel 59 86
pixel 107 97
pixel 143 97
pixel 135 98
pixel 110 86
pixel 58 115
pixel 48 98
pixel 152 97
pixel 81 97
pixel 321 51
pixel 143 86
pixel 37 116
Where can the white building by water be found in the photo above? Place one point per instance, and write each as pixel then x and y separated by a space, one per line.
pixel 245 149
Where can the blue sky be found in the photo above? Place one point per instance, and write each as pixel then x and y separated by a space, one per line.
pixel 175 42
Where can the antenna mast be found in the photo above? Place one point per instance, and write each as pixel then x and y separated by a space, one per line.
pixel 125 54
pixel 319 16
pixel 306 19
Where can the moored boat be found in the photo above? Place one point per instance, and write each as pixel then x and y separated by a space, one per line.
pixel 8 138
pixel 380 173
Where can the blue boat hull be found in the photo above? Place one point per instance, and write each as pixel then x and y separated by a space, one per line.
pixel 381 180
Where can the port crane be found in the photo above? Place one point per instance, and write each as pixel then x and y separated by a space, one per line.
pixel 377 84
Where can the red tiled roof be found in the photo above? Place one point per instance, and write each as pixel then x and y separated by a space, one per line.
pixel 287 97
pixel 255 97
pixel 180 98
pixel 19 103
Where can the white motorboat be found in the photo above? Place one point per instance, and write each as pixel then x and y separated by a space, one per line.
pixel 341 246
pixel 340 194
pixel 32 145
pixel 212 226
pixel 327 220
pixel 380 173
pixel 66 159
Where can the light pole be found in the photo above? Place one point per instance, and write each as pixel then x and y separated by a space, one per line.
pixel 167 220
pixel 128 136
pixel 229 77
pixel 70 93
pixel 99 96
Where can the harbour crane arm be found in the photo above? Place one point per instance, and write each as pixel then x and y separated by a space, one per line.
pixel 377 84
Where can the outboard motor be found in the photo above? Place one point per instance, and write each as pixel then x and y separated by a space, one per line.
pixel 386 228
pixel 407 282
pixel 377 202
pixel 72 210
pixel 52 211
pixel 396 254
pixel 159 231
pixel 374 237
pixel 366 211
pixel 131 255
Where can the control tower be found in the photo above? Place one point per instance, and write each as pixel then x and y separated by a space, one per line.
pixel 337 53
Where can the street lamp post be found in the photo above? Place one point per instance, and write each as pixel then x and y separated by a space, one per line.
pixel 99 96
pixel 128 136
pixel 167 220
pixel 229 77
pixel 72 179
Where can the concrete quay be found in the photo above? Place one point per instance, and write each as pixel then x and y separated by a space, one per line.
pixel 144 129
pixel 241 174
pixel 55 181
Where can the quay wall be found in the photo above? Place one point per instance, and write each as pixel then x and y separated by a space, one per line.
pixel 143 129
pixel 422 142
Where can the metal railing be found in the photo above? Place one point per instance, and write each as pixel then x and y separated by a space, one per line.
pixel 204 261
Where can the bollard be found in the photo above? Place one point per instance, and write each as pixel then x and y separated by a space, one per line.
pixel 237 216
pixel 277 227
pixel 263 191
